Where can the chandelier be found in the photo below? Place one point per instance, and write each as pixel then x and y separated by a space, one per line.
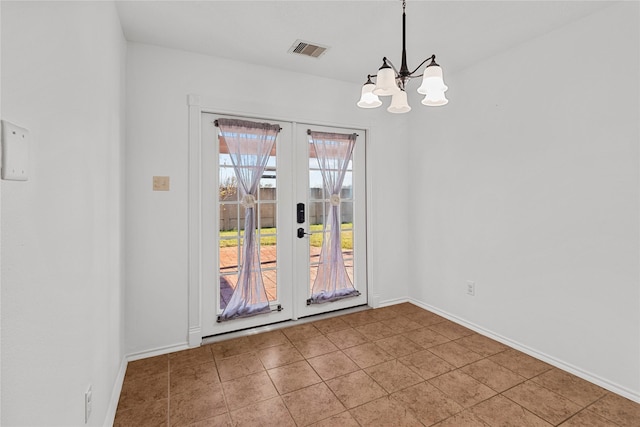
pixel 391 82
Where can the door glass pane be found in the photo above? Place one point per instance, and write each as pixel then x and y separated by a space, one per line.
pixel 318 205
pixel 228 188
pixel 316 187
pixel 316 215
pixel 231 227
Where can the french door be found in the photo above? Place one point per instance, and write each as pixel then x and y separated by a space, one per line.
pixel 291 214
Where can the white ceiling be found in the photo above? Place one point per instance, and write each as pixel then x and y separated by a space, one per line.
pixel 359 33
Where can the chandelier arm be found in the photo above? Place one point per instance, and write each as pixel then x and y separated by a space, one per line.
pixel 432 58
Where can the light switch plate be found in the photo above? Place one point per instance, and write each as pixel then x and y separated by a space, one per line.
pixel 15 152
pixel 160 183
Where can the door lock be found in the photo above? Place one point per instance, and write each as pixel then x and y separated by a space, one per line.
pixel 300 217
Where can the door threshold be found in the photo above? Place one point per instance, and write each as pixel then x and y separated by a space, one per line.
pixel 210 339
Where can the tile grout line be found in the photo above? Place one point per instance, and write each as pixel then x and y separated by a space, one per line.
pixel 372 338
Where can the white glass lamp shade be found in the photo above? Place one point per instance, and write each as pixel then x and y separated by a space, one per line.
pixel 433 87
pixel 435 98
pixel 399 103
pixel 386 82
pixel 368 99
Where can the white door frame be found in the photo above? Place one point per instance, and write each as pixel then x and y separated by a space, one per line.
pixel 194 279
pixel 282 308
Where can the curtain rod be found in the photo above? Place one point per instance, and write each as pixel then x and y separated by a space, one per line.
pixel 309 132
pixel 215 122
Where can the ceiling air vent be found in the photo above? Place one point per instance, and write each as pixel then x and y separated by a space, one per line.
pixel 308 49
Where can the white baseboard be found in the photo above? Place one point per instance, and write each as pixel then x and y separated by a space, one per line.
pixel 395 301
pixel 592 378
pixel 115 394
pixel 195 337
pixel 157 351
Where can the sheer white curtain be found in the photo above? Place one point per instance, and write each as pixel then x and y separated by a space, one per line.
pixel 333 151
pixel 249 145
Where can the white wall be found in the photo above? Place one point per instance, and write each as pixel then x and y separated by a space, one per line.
pixel 62 317
pixel 158 82
pixel 528 185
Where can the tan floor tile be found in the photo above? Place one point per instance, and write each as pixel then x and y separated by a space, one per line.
pixel 189 377
pixel 384 412
pixel 621 411
pixel 301 332
pixel 192 357
pixel 359 318
pixel 573 388
pixel 455 354
pixel 184 388
pixel 428 404
pixel 398 345
pixel 315 346
pixel 383 314
pixel 374 331
pixel 482 345
pixel 222 420
pixel 146 367
pixel 408 309
pixel 324 404
pixel 463 419
pixel 500 411
pixel 331 324
pixel 426 364
pixel 402 324
pixel 520 363
pixel 346 338
pixel 248 390
pixel 344 419
pixel 229 348
pixel 239 366
pixel 196 405
pixel 355 389
pixel 332 365
pixel 587 419
pixel 462 388
pixel 293 376
pixel 268 339
pixel 426 338
pixel 493 375
pixel 273 357
pixel 141 390
pixel 426 318
pixel 271 412
pixel 451 330
pixel 544 403
pixel 151 413
pixel 366 355
pixel 393 375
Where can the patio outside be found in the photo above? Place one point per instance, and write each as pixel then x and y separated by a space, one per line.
pixel 231 253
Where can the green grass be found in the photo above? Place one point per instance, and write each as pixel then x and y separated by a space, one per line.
pixel 268 237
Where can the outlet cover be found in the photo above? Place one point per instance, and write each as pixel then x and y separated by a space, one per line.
pixel 88 400
pixel 471 288
pixel 15 152
pixel 161 183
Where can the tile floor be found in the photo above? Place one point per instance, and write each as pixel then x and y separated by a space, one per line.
pixel 393 366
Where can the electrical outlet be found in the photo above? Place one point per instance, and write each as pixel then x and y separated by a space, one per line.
pixel 88 400
pixel 471 288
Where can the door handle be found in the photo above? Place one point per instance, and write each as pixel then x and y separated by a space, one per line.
pixel 302 233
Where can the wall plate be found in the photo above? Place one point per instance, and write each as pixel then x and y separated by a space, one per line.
pixel 15 152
